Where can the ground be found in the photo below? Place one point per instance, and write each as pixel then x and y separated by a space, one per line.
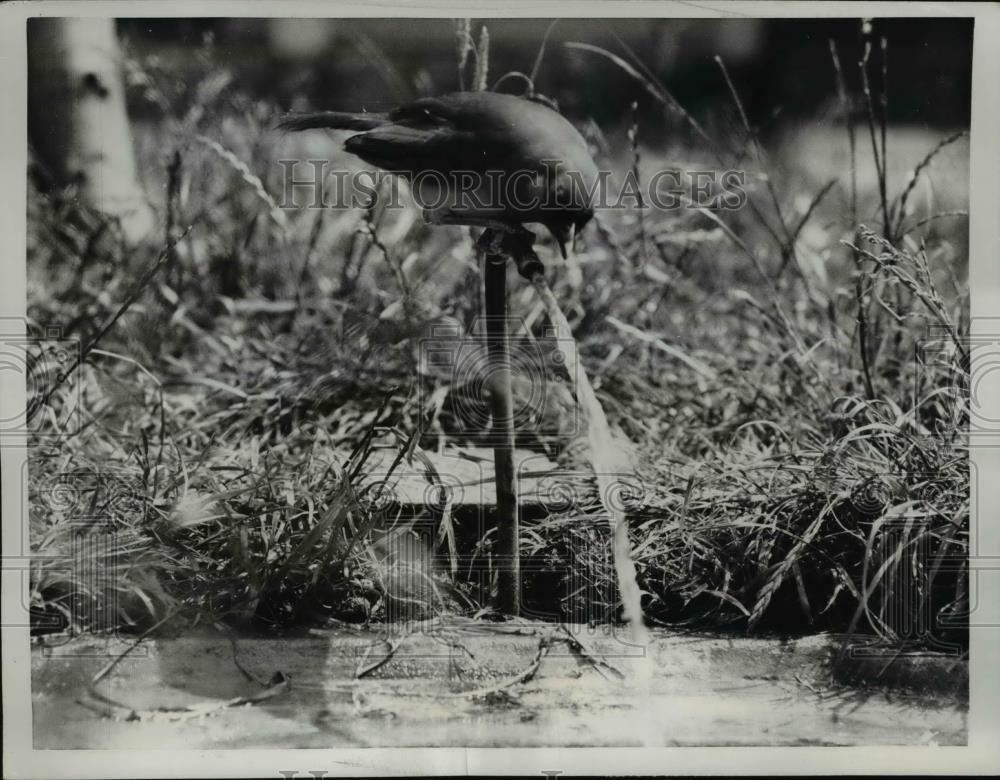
pixel 465 684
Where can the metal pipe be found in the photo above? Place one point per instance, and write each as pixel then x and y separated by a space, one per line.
pixel 508 599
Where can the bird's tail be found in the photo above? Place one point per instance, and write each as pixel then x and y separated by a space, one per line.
pixel 336 120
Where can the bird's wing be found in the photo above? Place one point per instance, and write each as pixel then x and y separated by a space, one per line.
pixel 335 120
pixel 472 111
pixel 510 129
pixel 403 149
pixel 425 112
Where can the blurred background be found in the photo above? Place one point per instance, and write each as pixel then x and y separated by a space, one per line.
pixel 779 66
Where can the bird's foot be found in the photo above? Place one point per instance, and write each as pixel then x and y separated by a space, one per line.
pixel 498 238
pixel 515 242
pixel 491 241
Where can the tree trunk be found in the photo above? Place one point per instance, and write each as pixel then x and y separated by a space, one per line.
pixel 76 117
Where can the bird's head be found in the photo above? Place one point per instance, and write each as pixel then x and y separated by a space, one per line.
pixel 565 228
pixel 571 207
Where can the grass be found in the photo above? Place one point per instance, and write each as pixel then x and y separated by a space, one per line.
pixel 796 408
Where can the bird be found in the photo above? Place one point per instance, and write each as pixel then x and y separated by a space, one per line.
pixel 505 160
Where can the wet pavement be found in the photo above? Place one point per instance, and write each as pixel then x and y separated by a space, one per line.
pixel 468 684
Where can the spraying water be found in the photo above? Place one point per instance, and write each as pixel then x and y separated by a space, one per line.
pixel 608 459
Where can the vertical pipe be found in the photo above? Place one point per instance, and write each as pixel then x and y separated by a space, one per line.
pixel 502 408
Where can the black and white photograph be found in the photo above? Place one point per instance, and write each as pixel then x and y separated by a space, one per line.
pixel 529 380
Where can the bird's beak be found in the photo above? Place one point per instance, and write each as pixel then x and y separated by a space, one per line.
pixel 567 240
